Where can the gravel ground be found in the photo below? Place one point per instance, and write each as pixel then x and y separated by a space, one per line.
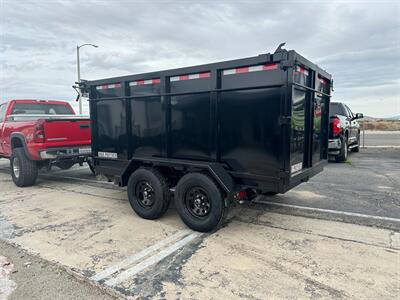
pixel 36 278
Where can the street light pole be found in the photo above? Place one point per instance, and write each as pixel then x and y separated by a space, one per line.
pixel 79 79
pixel 79 71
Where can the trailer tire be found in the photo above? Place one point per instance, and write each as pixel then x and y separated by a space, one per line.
pixel 23 170
pixel 148 193
pixel 199 202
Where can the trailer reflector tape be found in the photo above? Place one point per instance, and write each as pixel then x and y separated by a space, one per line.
pixel 190 76
pixel 108 86
pixel 143 82
pixel 322 79
pixel 248 69
pixel 302 70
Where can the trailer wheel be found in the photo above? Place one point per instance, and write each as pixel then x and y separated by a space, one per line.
pixel 199 202
pixel 23 170
pixel 148 193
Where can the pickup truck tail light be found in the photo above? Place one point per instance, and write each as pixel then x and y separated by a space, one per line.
pixel 335 126
pixel 38 136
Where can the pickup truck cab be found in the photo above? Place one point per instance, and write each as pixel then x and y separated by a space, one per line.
pixel 38 134
pixel 344 131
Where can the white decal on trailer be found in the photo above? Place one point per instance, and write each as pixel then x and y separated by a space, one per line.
pixel 107 154
pixel 296 168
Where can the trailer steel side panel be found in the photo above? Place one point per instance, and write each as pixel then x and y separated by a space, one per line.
pixel 263 119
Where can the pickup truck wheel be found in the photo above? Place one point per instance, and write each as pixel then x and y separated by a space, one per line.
pixel 199 202
pixel 148 193
pixel 342 156
pixel 357 149
pixel 23 170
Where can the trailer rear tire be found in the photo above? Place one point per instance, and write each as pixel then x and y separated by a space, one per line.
pixel 148 193
pixel 199 202
pixel 23 170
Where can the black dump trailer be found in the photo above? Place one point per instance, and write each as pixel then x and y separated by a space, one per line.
pixel 212 134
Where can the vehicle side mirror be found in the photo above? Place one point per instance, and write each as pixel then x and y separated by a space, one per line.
pixel 359 116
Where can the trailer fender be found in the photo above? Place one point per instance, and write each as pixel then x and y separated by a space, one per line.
pixel 215 170
pixel 132 166
pixel 223 178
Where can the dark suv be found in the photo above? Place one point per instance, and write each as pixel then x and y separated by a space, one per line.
pixel 344 131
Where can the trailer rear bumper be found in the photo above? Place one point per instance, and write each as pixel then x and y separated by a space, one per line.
pixel 305 175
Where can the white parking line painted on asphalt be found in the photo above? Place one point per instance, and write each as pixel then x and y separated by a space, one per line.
pixel 151 260
pixel 51 175
pixel 77 179
pixel 375 132
pixel 337 212
pixel 131 259
pixel 58 171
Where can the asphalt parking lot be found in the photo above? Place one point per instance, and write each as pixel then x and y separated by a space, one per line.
pixel 337 236
pixel 378 139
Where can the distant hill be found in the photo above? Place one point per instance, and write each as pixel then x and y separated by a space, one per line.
pixel 368 118
pixel 394 118
pixel 386 124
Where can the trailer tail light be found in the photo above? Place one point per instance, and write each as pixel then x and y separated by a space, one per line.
pixel 38 135
pixel 335 126
pixel 240 196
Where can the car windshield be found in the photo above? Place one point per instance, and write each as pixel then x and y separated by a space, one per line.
pixel 336 109
pixel 41 109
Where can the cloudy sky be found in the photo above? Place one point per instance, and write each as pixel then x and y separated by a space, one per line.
pixel 358 42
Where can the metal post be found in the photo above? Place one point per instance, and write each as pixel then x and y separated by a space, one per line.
pixel 363 128
pixel 79 78
pixel 79 71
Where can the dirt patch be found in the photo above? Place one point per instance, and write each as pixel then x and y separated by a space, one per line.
pixel 383 125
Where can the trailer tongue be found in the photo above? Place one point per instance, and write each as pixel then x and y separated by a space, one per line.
pixel 212 133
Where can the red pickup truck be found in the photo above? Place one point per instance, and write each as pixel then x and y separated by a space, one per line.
pixel 38 134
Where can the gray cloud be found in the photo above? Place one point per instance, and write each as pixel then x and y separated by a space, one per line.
pixel 357 42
